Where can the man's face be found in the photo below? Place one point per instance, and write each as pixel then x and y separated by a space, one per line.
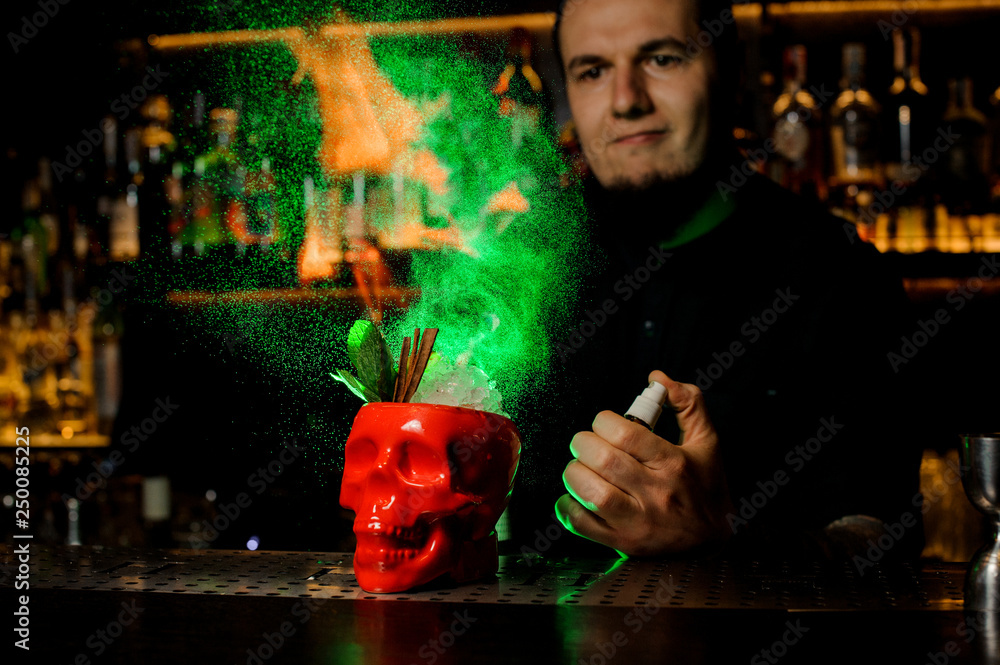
pixel 640 103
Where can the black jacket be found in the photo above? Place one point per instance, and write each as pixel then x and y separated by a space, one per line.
pixel 785 320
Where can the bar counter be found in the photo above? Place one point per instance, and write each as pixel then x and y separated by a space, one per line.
pixel 219 606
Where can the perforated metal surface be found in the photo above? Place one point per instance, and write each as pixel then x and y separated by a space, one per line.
pixel 691 584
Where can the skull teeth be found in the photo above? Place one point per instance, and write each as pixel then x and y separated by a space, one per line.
pixel 400 554
pixel 403 533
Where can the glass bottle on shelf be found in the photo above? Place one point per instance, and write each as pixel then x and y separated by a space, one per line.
pixel 855 169
pixel 321 254
pixel 48 212
pixel 520 90
pixel 252 214
pixel 363 257
pixel 261 194
pixel 33 242
pixel 215 179
pixel 101 243
pixel 854 116
pixel 156 178
pixel 797 134
pixel 907 113
pixel 123 230
pixel 192 141
pixel 963 165
pixel 108 326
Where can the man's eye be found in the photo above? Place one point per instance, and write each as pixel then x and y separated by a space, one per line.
pixel 592 73
pixel 665 60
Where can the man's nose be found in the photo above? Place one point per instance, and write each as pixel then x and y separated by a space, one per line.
pixel 631 100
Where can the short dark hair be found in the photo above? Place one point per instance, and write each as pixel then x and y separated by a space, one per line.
pixel 725 43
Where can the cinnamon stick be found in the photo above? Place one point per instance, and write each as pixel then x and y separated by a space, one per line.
pixel 422 356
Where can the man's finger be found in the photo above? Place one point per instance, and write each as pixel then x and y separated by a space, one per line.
pixel 595 493
pixel 629 437
pixel 615 466
pixel 582 522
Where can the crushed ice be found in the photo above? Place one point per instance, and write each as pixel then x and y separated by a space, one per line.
pixel 458 384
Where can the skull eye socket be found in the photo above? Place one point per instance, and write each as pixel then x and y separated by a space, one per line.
pixel 360 453
pixel 421 463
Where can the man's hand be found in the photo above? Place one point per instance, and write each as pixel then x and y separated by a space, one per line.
pixel 639 493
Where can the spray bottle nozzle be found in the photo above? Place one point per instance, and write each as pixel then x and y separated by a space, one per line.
pixel 648 406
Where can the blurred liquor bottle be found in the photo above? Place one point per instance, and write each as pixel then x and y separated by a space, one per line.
pixel 855 169
pixel 123 227
pixel 907 114
pixel 215 184
pixel 321 254
pixel 526 101
pixel 964 160
pixel 156 179
pixel 101 241
pixel 520 90
pixel 30 236
pixel 192 141
pixel 854 128
pixel 108 327
pixel 909 220
pixel 798 134
pixel 49 220
pixel 252 215
pixel 368 269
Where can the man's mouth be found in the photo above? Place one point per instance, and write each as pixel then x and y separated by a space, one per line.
pixel 641 138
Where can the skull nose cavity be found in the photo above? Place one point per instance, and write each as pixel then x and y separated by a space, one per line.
pixel 381 487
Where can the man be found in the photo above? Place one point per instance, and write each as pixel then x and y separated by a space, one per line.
pixel 765 319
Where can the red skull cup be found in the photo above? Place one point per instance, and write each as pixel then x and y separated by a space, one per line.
pixel 428 484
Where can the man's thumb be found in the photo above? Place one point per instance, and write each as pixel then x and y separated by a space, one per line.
pixel 688 404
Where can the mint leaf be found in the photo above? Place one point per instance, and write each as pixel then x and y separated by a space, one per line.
pixel 370 355
pixel 355 386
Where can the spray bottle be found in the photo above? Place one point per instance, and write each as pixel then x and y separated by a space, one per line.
pixel 648 406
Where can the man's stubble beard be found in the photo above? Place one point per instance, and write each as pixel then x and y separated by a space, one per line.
pixel 654 206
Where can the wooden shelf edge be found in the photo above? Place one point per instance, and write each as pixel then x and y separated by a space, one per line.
pixel 545 20
pixel 300 296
